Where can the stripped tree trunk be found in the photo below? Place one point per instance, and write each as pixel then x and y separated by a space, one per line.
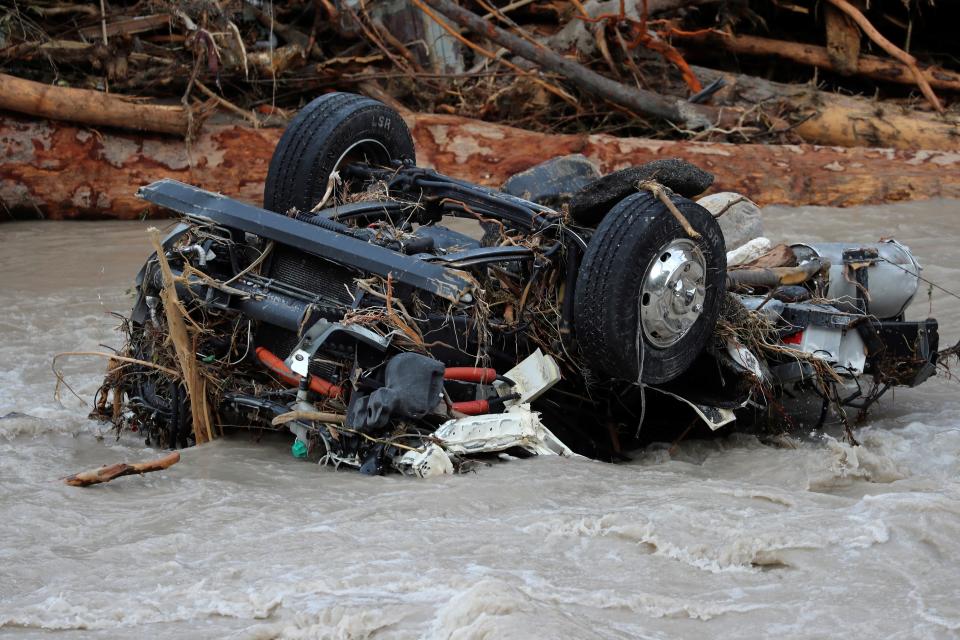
pixel 834 119
pixel 58 170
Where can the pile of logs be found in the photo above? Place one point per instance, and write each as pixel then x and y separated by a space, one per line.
pixel 857 106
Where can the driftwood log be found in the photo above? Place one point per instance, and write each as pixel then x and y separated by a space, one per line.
pixel 834 119
pixel 58 170
pixel 89 107
pixel 108 473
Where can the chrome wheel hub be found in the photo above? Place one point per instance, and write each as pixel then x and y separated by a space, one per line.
pixel 672 292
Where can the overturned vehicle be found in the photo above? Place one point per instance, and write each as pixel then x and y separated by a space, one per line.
pixel 390 317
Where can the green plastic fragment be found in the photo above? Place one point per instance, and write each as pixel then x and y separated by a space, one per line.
pixel 299 449
pixel 209 359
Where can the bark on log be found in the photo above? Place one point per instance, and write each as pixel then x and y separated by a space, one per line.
pixel 108 473
pixel 59 170
pixel 89 107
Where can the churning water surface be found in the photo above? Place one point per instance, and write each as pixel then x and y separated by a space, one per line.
pixel 729 538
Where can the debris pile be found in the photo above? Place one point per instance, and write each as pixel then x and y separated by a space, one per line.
pixel 776 69
pixel 97 101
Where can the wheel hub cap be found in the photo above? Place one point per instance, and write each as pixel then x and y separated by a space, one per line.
pixel 672 293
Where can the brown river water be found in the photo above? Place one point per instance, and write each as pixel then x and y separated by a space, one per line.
pixel 727 538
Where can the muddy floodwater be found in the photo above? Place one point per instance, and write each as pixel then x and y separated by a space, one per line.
pixel 728 538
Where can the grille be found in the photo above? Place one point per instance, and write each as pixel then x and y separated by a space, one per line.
pixel 316 275
pixel 326 279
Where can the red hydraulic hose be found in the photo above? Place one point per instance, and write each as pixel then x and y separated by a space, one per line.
pixel 470 374
pixel 282 371
pixel 473 407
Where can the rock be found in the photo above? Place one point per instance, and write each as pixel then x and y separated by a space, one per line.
pixel 739 217
pixel 13 415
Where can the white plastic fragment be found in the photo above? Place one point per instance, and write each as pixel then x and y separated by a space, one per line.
pixel 432 461
pixel 837 345
pixel 748 252
pixel 493 432
pixel 532 378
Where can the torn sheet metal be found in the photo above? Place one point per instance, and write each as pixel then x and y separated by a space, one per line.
pixel 490 433
pixel 714 417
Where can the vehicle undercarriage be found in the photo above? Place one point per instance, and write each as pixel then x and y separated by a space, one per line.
pixel 392 317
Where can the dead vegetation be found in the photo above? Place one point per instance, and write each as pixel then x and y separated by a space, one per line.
pixel 623 66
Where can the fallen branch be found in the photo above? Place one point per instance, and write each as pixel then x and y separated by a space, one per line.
pixel 126 26
pixel 89 107
pixel 108 473
pixel 61 380
pixel 113 356
pixel 249 116
pixel 62 171
pixel 555 90
pixel 828 118
pixel 657 190
pixel 843 40
pixel 873 67
pixel 319 416
pixel 908 60
pixel 195 384
pixel 639 100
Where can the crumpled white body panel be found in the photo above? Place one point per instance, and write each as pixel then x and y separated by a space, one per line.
pixel 432 461
pixel 518 427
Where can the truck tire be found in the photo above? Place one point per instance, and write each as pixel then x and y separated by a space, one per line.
pixel 647 293
pixel 594 200
pixel 332 128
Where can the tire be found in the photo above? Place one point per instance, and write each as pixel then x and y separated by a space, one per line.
pixel 318 138
pixel 610 284
pixel 594 200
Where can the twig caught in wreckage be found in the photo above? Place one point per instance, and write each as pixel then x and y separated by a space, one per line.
pixel 753 330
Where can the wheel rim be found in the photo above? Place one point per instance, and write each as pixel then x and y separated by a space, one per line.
pixel 672 293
